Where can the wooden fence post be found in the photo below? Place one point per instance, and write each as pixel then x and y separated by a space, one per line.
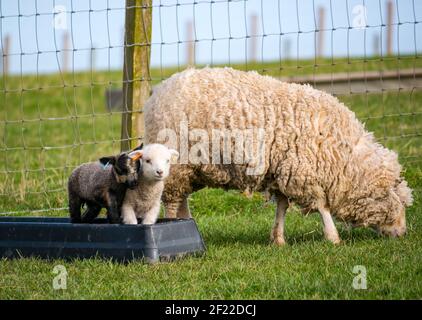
pixel 320 27
pixel 65 52
pixel 390 9
pixel 190 50
pixel 253 49
pixel 6 55
pixel 136 74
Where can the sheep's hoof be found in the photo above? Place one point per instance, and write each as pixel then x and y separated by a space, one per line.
pixel 184 215
pixel 277 239
pixel 334 240
pixel 130 221
pixel 279 242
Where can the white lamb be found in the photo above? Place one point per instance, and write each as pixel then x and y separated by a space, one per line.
pixel 144 201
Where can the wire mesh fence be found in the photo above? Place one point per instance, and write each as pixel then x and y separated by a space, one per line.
pixel 62 94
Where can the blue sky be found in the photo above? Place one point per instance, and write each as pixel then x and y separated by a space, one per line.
pixel 103 29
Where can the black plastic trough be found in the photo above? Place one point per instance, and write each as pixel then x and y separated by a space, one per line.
pixel 53 238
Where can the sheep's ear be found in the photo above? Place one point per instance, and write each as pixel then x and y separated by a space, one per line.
pixel 135 155
pixel 139 147
pixel 404 193
pixel 105 161
pixel 174 153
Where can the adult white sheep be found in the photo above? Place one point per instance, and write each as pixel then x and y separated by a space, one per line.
pixel 316 153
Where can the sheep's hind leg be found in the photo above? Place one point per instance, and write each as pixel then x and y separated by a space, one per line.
pixel 75 204
pixel 330 230
pixel 277 233
pixel 91 213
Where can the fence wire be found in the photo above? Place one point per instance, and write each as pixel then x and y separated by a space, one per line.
pixel 62 73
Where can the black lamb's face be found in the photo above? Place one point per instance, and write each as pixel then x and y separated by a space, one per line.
pixel 126 166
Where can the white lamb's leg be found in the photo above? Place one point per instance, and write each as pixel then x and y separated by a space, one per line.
pixel 277 234
pixel 128 215
pixel 330 230
pixel 152 215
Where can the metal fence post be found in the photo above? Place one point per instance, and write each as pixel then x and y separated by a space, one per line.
pixel 136 75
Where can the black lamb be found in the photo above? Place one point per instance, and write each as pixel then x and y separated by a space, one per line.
pixel 102 184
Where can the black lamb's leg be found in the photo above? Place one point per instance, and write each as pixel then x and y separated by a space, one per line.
pixel 75 204
pixel 91 213
pixel 113 210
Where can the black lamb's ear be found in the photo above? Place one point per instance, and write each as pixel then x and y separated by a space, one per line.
pixel 139 147
pixel 108 160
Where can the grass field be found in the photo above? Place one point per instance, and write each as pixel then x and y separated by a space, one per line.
pixel 48 125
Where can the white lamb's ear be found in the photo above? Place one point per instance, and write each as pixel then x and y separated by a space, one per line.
pixel 174 156
pixel 174 153
pixel 135 155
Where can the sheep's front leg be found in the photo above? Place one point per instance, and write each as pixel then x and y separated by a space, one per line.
pixel 128 214
pixel 152 215
pixel 330 230
pixel 113 213
pixel 171 209
pixel 178 209
pixel 183 211
pixel 277 234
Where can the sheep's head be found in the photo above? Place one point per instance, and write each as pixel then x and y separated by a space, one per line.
pixel 125 167
pixel 381 198
pixel 384 210
pixel 156 159
pixel 395 202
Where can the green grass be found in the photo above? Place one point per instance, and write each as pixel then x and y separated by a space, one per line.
pixel 37 156
pixel 240 263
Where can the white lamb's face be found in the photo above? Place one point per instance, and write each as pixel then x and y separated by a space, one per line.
pixel 156 161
